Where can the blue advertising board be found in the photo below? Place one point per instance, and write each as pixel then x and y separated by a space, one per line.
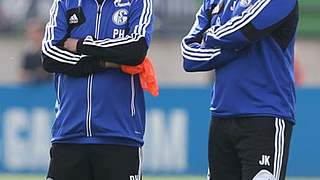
pixel 176 135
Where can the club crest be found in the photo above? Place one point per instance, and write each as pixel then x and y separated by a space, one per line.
pixel 120 17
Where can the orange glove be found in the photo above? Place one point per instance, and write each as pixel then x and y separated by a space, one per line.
pixel 148 79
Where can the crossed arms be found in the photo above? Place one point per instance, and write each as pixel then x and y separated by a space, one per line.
pixel 81 56
pixel 208 47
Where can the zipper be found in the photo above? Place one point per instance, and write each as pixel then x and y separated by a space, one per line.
pixel 133 108
pixel 58 101
pixel 90 78
pixel 98 19
pixel 89 108
pixel 58 89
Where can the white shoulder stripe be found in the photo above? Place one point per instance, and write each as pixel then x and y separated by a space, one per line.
pixel 238 22
pixel 148 20
pixel 236 19
pixel 146 7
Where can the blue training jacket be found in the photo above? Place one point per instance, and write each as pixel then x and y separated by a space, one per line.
pixel 250 44
pixel 105 106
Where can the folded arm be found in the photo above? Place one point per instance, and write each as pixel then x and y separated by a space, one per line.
pixel 197 56
pixel 129 50
pixel 253 23
pixel 56 58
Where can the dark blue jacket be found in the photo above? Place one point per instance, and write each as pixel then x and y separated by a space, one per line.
pixel 250 44
pixel 95 104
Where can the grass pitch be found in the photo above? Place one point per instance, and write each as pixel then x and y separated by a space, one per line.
pixel 39 177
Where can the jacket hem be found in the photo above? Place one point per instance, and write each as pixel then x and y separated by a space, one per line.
pixel 220 115
pixel 98 140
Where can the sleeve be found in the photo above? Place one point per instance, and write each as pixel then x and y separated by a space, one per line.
pixel 196 55
pixel 252 24
pixel 131 49
pixel 84 67
pixel 220 58
pixel 54 57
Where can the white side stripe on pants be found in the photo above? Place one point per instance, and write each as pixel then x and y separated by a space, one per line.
pixel 140 164
pixel 208 174
pixel 279 147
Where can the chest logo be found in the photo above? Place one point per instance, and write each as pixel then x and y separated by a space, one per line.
pixel 73 19
pixel 245 3
pixel 120 17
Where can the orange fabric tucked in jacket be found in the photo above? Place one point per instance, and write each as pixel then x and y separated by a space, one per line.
pixel 147 75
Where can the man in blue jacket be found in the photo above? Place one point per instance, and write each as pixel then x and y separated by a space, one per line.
pixel 250 44
pixel 100 111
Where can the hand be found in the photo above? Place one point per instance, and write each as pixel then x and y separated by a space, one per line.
pixel 71 44
pixel 111 65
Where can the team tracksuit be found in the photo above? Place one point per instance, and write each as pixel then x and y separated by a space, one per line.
pixel 95 105
pixel 250 44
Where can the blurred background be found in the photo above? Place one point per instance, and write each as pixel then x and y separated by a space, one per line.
pixel 178 119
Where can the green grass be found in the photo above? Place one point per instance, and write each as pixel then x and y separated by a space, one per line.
pixel 31 177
